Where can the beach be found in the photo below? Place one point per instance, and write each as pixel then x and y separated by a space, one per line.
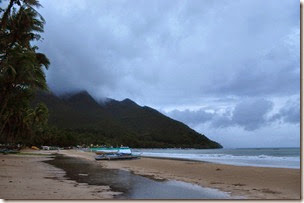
pixel 248 182
pixel 34 179
pixel 28 177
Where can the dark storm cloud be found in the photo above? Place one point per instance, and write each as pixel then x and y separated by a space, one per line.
pixel 165 51
pixel 250 114
pixel 225 54
pixel 290 112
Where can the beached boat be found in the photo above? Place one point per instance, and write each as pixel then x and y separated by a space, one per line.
pixel 9 151
pixel 114 153
pixel 115 157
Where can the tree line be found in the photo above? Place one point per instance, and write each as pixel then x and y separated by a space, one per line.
pixel 21 72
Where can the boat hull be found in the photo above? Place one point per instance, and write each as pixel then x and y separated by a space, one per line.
pixel 120 157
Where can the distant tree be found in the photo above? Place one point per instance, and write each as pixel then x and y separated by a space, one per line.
pixel 21 70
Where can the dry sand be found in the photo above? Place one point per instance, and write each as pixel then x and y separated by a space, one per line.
pixel 27 177
pixel 33 179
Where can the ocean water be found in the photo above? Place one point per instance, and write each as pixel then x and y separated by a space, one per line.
pixel 261 157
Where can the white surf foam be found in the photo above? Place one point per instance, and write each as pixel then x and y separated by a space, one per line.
pixel 260 160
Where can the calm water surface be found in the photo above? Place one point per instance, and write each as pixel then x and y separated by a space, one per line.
pixel 132 186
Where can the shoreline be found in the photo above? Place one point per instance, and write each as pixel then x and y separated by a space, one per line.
pixel 248 181
pixel 210 162
pixel 239 181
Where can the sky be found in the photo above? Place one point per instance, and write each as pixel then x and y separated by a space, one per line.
pixel 228 69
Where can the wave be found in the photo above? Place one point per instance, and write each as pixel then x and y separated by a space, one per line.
pixel 241 160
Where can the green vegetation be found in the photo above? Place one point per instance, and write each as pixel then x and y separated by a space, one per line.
pixel 79 119
pixel 21 72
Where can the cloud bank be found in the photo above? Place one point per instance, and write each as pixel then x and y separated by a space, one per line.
pixel 231 64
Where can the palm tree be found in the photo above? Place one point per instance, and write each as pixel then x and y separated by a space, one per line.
pixel 21 68
pixel 7 11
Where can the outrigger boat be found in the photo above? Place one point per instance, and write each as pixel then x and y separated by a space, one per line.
pixel 114 153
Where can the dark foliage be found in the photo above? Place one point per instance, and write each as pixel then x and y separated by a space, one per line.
pixel 79 119
pixel 21 73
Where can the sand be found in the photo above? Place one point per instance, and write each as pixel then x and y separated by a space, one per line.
pixel 247 182
pixel 241 181
pixel 26 177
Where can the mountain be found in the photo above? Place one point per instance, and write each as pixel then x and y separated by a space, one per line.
pixel 79 117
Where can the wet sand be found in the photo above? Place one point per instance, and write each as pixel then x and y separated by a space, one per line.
pixel 28 177
pixel 48 182
pixel 130 185
pixel 249 182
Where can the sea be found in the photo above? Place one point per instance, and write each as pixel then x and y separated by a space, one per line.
pixel 259 157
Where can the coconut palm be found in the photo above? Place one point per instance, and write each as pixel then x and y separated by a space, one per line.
pixel 21 69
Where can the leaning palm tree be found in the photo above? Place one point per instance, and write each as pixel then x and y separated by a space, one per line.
pixel 7 11
pixel 21 65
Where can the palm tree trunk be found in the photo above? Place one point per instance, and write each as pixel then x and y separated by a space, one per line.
pixel 4 124
pixel 3 106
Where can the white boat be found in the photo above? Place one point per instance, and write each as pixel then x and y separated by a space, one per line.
pixel 114 153
pixel 121 150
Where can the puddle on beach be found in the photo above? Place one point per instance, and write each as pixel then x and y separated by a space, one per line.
pixel 132 186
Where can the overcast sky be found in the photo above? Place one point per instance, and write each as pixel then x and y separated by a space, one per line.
pixel 228 69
